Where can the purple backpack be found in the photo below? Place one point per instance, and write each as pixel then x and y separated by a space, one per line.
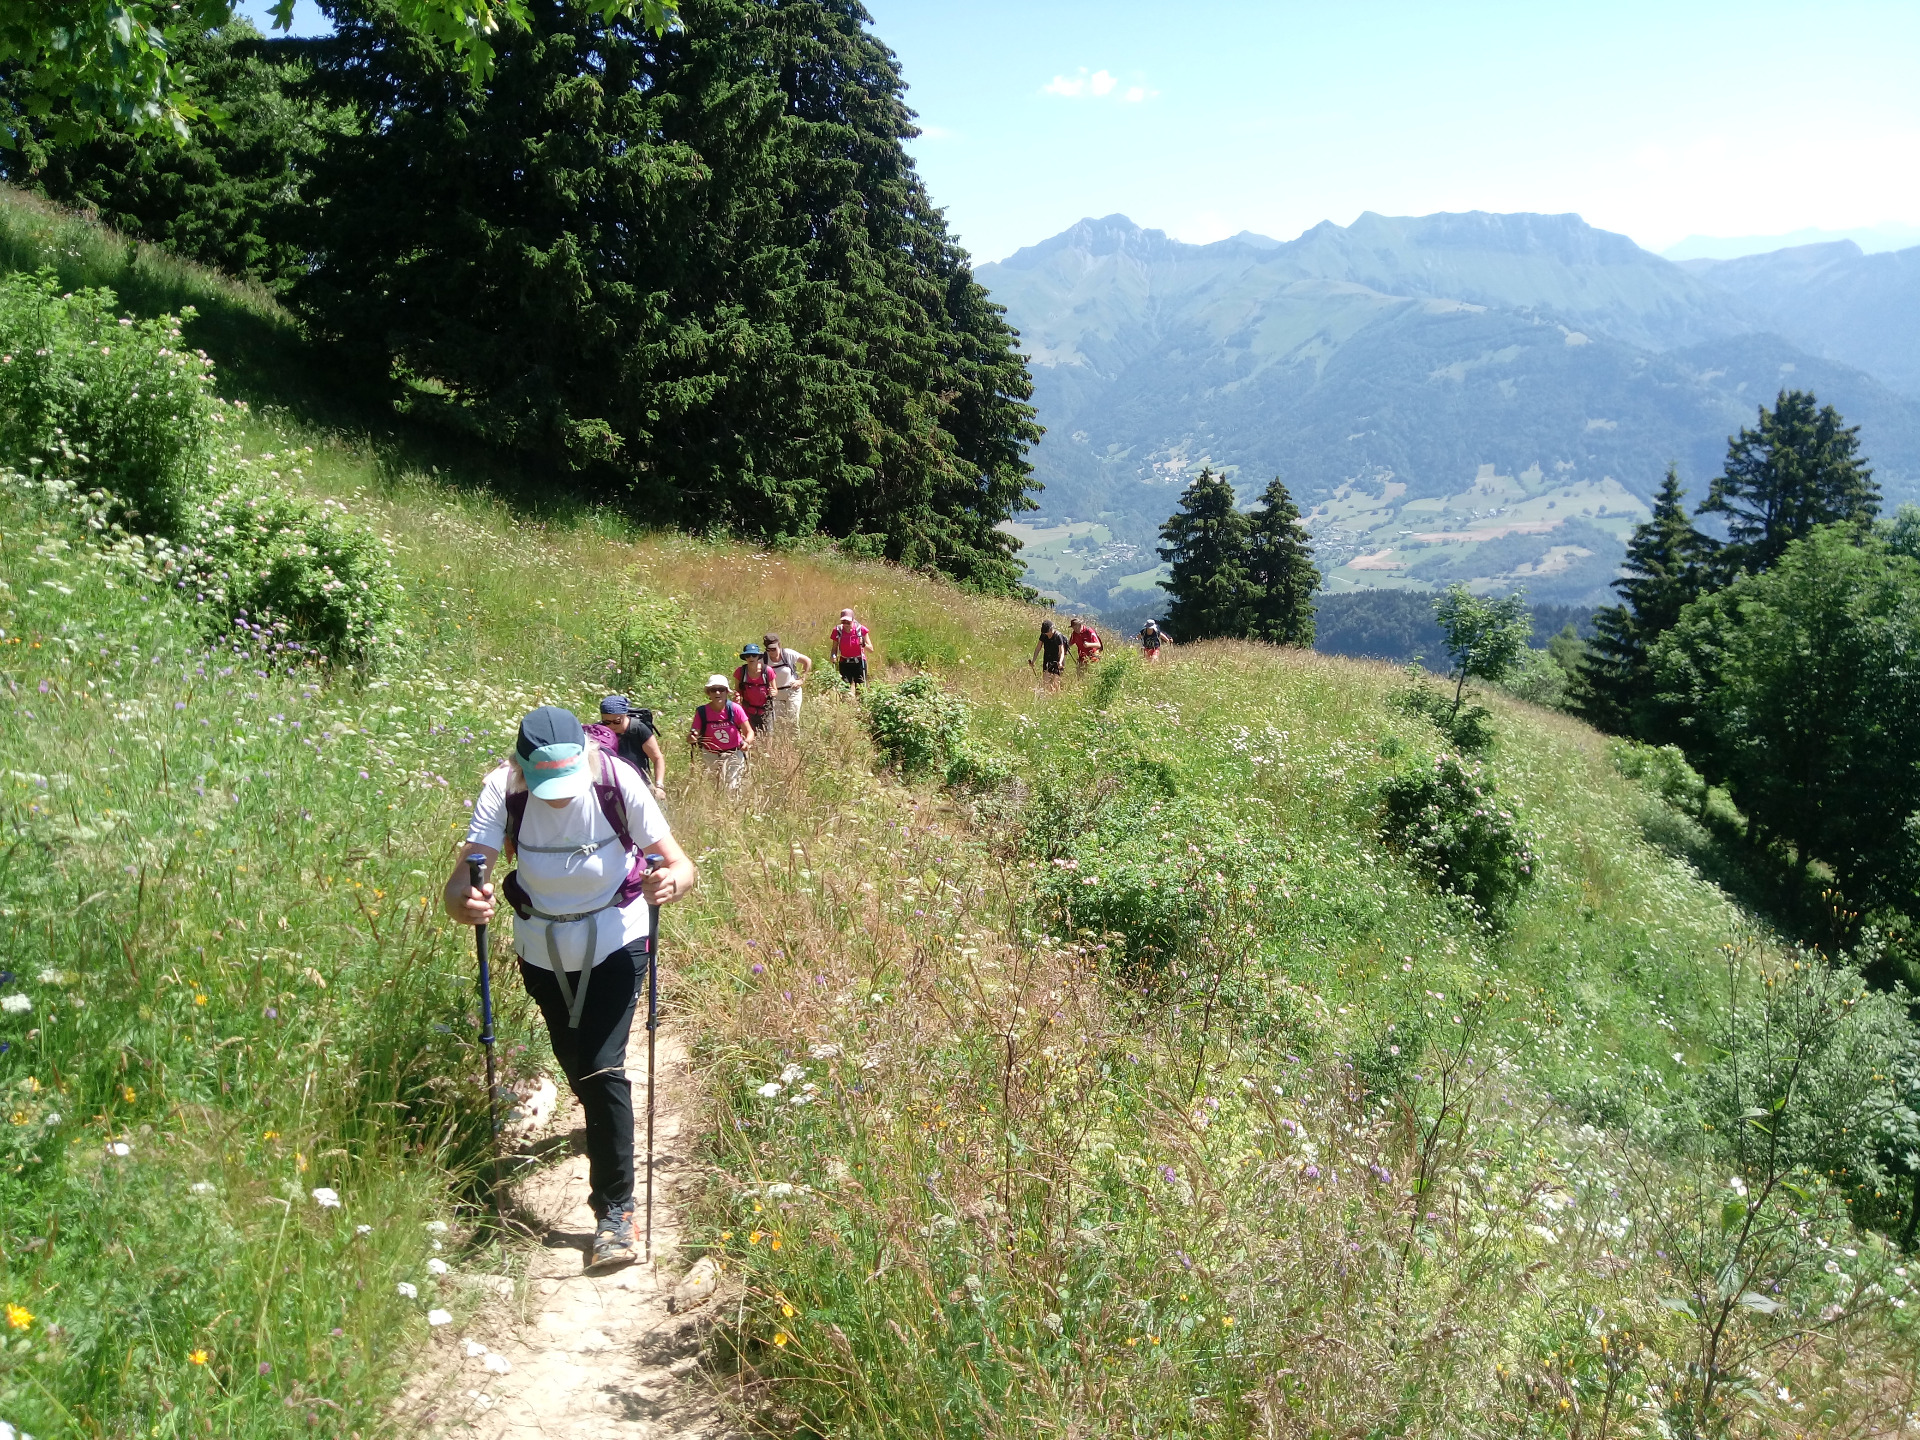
pixel 613 805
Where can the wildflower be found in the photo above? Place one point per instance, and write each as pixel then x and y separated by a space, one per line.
pixel 18 1316
pixel 363 1229
pixel 200 1187
pixel 120 1149
pixel 16 1004
pixel 407 1291
pixel 1227 1321
pixel 1737 1185
pixel 780 1190
pixel 439 1317
pixel 474 1349
pixel 780 1337
pixel 326 1197
pixel 436 1267
pixel 266 1368
pixel 792 1073
pixel 436 1227
pixel 774 1243
pixel 197 1357
pixel 271 1135
pixel 754 1238
pixel 770 1090
pixel 1312 1172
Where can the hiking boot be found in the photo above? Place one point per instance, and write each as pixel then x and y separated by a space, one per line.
pixel 613 1241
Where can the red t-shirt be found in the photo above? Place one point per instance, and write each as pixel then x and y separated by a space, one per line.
pixel 1086 642
pixel 850 642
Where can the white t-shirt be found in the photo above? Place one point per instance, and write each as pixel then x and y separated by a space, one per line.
pixel 786 670
pixel 571 883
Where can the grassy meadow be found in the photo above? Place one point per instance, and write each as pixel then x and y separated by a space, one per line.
pixel 1135 1088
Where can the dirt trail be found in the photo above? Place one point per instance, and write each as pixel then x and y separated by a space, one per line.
pixel 592 1356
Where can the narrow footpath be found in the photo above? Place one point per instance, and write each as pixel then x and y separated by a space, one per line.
pixel 572 1355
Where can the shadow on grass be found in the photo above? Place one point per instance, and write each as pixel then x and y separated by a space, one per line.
pixel 1766 881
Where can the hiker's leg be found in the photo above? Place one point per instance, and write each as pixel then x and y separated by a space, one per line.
pixel 594 1060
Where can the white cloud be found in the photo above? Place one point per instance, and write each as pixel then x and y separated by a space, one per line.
pixel 1096 85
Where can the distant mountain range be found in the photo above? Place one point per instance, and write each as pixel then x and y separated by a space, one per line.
pixel 1481 397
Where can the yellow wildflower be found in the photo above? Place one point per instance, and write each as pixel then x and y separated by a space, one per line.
pixel 18 1316
pixel 198 1357
pixel 128 1094
pixel 780 1337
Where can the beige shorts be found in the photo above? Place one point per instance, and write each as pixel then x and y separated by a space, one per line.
pixel 786 706
pixel 729 767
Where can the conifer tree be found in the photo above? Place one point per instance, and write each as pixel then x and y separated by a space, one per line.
pixel 697 267
pixel 1801 467
pixel 1281 575
pixel 1206 545
pixel 1667 566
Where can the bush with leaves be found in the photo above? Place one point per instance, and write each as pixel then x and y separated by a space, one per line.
pixel 105 400
pixel 1445 819
pixel 918 726
pixel 124 423
pixel 1664 770
pixel 1467 728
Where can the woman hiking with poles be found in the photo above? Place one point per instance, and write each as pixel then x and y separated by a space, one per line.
pixel 585 830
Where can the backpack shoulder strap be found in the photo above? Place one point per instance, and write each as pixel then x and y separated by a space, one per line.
pixel 613 805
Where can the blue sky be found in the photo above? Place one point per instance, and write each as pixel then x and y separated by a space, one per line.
pixel 1660 120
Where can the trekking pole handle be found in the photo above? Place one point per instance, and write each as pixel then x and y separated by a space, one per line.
pixel 477 870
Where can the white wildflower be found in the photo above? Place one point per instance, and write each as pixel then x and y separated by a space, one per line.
pixel 771 1090
pixel 779 1190
pixel 436 1227
pixel 823 1052
pixel 439 1317
pixel 1737 1185
pixel 363 1229
pixel 326 1197
pixel 52 977
pixel 52 1117
pixel 407 1291
pixel 436 1267
pixel 200 1187
pixel 475 1349
pixel 120 1148
pixel 16 1004
pixel 791 1074
pixel 498 1364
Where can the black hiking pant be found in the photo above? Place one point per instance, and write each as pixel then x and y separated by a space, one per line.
pixel 594 1058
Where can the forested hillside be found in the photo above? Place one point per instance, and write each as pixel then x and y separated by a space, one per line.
pixel 1199 1048
pixel 695 269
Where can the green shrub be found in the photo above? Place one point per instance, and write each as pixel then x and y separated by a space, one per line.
pixel 1468 729
pixel 308 576
pixel 1445 819
pixel 652 648
pixel 114 402
pixel 918 726
pixel 1537 677
pixel 1664 770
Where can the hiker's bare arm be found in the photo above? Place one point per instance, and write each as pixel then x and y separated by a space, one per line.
pixel 672 880
pixel 465 904
pixel 803 667
pixel 658 758
pixel 746 728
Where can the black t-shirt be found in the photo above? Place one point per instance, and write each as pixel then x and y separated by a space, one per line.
pixel 1053 645
pixel 1151 637
pixel 636 735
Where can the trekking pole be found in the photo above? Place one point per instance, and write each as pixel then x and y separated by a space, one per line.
pixel 477 874
pixel 654 862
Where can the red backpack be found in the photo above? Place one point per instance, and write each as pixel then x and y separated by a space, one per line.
pixel 744 685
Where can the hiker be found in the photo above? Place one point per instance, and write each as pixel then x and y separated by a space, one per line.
pixel 580 822
pixel 851 643
pixel 721 732
pixel 629 733
pixel 753 682
pixel 1152 637
pixel 790 670
pixel 1051 650
pixel 1085 642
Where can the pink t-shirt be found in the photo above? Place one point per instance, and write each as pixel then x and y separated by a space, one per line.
pixel 850 640
pixel 719 734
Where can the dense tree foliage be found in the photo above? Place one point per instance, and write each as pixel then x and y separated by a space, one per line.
pixel 1206 548
pixel 78 67
pixel 1281 575
pixel 1799 467
pixel 1667 567
pixel 698 266
pixel 229 194
pixel 1798 689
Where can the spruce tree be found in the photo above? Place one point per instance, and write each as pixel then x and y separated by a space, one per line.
pixel 697 267
pixel 1206 545
pixel 1667 566
pixel 1799 468
pixel 1281 575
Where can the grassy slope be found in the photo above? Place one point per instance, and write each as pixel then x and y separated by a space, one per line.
pixel 1073 1200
